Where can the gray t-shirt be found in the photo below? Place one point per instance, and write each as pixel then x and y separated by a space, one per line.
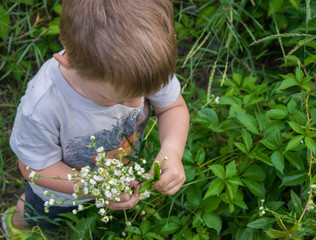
pixel 54 122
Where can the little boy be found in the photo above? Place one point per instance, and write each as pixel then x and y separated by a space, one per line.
pixel 119 57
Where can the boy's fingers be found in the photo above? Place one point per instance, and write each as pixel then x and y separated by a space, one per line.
pixel 124 205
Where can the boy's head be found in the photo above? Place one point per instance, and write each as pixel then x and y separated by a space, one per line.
pixel 129 43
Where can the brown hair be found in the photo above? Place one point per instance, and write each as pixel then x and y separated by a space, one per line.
pixel 128 43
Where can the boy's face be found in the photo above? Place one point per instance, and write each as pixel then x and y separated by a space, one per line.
pixel 104 94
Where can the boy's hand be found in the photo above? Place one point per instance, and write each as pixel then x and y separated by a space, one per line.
pixel 126 201
pixel 172 173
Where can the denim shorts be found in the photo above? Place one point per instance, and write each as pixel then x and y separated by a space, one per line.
pixel 34 211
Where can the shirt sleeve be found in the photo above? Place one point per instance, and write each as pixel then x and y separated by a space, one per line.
pixel 34 145
pixel 167 94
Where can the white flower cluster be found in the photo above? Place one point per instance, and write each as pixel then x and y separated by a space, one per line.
pixel 111 179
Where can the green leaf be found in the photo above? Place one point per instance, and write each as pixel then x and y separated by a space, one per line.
pixel 295 178
pixel 169 228
pixel 287 83
pixel 299 75
pixel 261 223
pixel 207 117
pixel 153 235
pixel 231 189
pixel 145 226
pixel 238 200
pixel 230 169
pixel 4 23
pixel 212 220
pixel 296 127
pixel 295 160
pixel 272 233
pixel 146 186
pixel 310 144
pixel 248 121
pixel 297 203
pixel 264 158
pixel 295 3
pixel 278 160
pixel 241 147
pixel 84 227
pixel 262 121
pixel 133 229
pixel 254 187
pixel 211 203
pixel 187 156
pixel 294 142
pixel 276 114
pixel 215 188
pixel 200 156
pixel 254 172
pixel 274 6
pixel 156 171
pixel 246 136
pixel 194 195
pixel 235 180
pixel 269 144
pixel 218 170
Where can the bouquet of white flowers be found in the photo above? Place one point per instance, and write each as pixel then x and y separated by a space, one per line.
pixel 107 182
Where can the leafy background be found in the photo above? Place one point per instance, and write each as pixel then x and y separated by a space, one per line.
pixel 247 70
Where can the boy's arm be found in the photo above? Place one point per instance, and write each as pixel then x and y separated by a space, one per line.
pixel 173 125
pixel 60 169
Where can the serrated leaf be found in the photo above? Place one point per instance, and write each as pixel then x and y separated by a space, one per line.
pixel 169 228
pixel 278 160
pixel 235 180
pixel 310 144
pixel 230 169
pixel 296 127
pixel 280 222
pixel 264 158
pixel 254 187
pixel 294 142
pixel 211 203
pixel 295 178
pixel 261 223
pixel 212 220
pixel 295 160
pixel 84 226
pixel 194 195
pixel 246 136
pixel 241 147
pixel 156 171
pixel 133 229
pixel 272 233
pixel 145 226
pixel 248 121
pixel 218 170
pixel 274 6
pixel 4 23
pixel 254 172
pixel 238 200
pixel 299 75
pixel 231 189
pixel 295 3
pixel 287 83
pixel 269 144
pixel 215 188
pixel 200 156
pixel 297 203
pixel 276 114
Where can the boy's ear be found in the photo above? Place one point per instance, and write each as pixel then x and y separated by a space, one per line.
pixel 62 59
